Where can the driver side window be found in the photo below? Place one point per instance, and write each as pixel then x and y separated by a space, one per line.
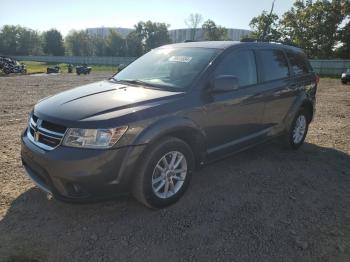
pixel 240 64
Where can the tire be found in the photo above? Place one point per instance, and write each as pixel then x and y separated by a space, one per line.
pixel 153 168
pixel 297 132
pixel 7 71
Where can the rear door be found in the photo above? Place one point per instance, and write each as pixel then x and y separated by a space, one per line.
pixel 277 89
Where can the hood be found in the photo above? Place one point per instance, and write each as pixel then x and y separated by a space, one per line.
pixel 101 101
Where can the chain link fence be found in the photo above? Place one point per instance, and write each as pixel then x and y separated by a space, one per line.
pixel 330 67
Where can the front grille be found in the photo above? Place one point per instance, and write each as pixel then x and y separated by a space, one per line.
pixel 53 127
pixel 45 134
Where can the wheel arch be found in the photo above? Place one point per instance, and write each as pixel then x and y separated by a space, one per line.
pixel 303 101
pixel 308 106
pixel 179 127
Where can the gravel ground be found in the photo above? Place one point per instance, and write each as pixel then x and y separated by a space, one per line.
pixel 265 204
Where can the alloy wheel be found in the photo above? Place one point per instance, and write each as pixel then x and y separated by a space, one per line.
pixel 169 174
pixel 299 129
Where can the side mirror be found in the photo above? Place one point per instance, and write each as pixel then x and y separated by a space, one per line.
pixel 225 83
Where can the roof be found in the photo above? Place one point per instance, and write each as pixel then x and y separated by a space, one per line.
pixel 206 44
pixel 227 44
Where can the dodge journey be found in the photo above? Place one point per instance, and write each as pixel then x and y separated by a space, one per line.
pixel 146 129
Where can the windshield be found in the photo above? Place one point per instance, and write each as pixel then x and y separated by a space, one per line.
pixel 169 68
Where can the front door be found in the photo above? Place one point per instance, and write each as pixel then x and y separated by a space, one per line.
pixel 234 117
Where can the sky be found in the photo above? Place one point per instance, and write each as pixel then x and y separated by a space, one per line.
pixel 65 15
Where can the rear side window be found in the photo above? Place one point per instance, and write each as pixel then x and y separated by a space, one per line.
pixel 240 64
pixel 298 63
pixel 274 64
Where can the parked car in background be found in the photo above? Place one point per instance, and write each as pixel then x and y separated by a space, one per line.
pixel 83 69
pixel 70 68
pixel 345 77
pixel 53 69
pixel 180 106
pixel 11 66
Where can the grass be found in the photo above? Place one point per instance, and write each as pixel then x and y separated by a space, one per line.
pixel 40 67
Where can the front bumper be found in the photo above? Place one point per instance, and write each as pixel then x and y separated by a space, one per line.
pixel 75 174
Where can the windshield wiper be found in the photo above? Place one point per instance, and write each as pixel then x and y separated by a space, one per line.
pixel 135 82
pixel 145 84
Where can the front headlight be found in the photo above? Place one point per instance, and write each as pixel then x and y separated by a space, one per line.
pixel 343 75
pixel 93 138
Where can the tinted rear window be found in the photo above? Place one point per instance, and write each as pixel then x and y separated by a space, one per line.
pixel 298 63
pixel 274 64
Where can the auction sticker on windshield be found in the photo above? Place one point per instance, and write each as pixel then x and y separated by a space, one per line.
pixel 180 59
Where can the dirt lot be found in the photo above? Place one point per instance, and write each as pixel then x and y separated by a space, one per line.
pixel 265 204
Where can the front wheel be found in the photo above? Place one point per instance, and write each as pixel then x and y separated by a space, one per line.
pixel 298 130
pixel 165 173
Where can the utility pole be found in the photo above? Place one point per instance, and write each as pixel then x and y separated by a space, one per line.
pixel 268 22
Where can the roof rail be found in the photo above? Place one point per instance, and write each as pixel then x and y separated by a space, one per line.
pixel 248 40
pixel 254 40
pixel 289 43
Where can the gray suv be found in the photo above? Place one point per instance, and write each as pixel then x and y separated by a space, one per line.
pixel 147 128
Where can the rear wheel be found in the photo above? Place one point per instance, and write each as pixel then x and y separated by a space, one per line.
pixel 164 174
pixel 296 134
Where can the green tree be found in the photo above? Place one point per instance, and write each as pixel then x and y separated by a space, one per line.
pixel 133 44
pixel 17 40
pixel 8 39
pixel 29 42
pixel 53 43
pixel 265 27
pixel 152 34
pixel 193 22
pixel 99 46
pixel 115 44
pixel 79 43
pixel 212 32
pixel 313 25
pixel 343 51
